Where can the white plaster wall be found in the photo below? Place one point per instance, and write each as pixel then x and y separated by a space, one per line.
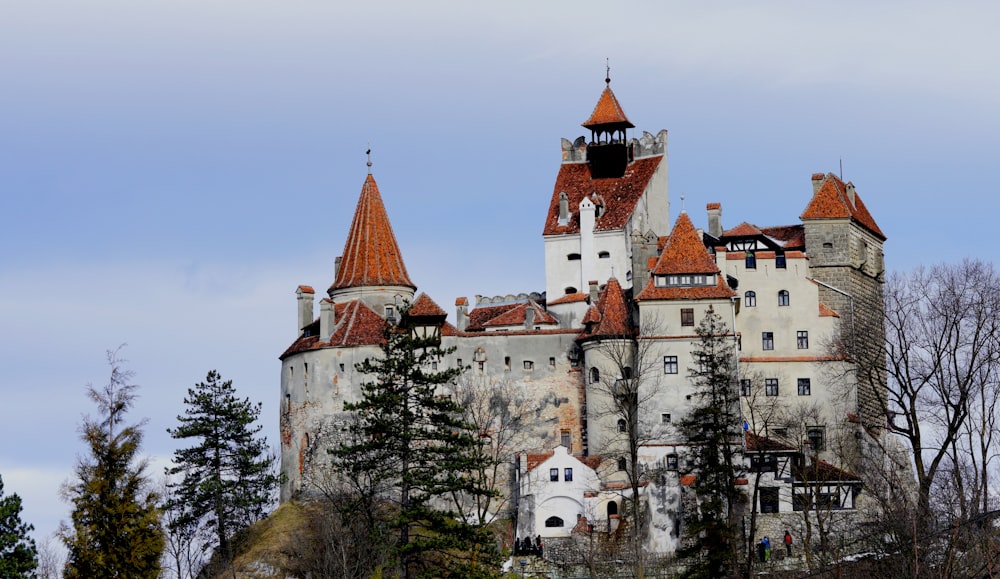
pixel 560 272
pixel 556 498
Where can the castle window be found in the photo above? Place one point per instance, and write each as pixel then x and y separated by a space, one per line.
pixel 783 298
pixel 604 255
pixel 660 280
pixel 570 290
pixel 627 372
pixel 665 418
pixel 573 257
pixel 458 362
pixel 595 375
pixel 568 474
pixel 770 387
pixel 805 387
pixel 671 462
pixel 769 500
pixel 553 475
pixel 506 363
pixel 802 339
pixel 779 261
pixel 341 367
pixel 673 280
pixel 622 463
pixel 817 436
pixel 554 522
pixel 529 365
pixel 750 299
pixel 622 426
pixel 744 387
pixel 767 340
pixel 434 365
pixel 390 314
pixel 750 260
pixel 670 364
pixel 687 316
pixel 827 245
pixel 566 439
pixel 552 362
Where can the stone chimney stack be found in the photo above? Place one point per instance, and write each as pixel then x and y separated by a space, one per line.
pixel 462 313
pixel 529 317
pixel 850 194
pixel 817 179
pixel 336 266
pixel 593 291
pixel 714 219
pixel 563 208
pixel 327 318
pixel 305 296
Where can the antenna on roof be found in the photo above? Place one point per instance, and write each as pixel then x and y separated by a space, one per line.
pixel 607 71
pixel 369 153
pixel 841 168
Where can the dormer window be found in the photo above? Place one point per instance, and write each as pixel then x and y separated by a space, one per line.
pixel 390 314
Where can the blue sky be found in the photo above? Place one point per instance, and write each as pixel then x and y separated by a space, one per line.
pixel 171 171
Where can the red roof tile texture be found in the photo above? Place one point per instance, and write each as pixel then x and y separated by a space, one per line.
pixel 614 312
pixel 480 315
pixel 356 325
pixel 685 253
pixel 570 299
pixel 517 316
pixel 758 443
pixel 371 255
pixel 620 195
pixel 425 306
pixel 607 112
pixel 831 201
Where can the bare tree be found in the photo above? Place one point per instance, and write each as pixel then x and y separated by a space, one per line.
pixel 184 552
pixel 50 559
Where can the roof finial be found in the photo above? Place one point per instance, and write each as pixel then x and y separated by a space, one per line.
pixel 607 72
pixel 369 153
pixel 683 209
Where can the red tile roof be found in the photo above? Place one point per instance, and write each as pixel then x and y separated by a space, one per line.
pixel 823 471
pixel 832 202
pixel 608 113
pixel 481 315
pixel 742 230
pixel 592 316
pixel 371 255
pixel 685 252
pixel 793 236
pixel 570 299
pixel 620 195
pixel 533 459
pixel 356 325
pixel 614 312
pixel 826 311
pixel 425 306
pixel 517 316
pixel 306 289
pixel 758 443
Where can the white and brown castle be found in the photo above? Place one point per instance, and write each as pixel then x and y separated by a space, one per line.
pixel 616 270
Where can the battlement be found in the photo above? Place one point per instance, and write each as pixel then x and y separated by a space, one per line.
pixel 509 299
pixel 648 145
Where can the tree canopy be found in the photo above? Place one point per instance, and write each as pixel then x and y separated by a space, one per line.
pixel 18 555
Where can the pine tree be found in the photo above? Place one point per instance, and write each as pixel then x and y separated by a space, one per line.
pixel 414 439
pixel 18 555
pixel 228 477
pixel 115 522
pixel 711 431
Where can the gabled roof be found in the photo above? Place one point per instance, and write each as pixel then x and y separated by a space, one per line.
pixel 792 236
pixel 356 325
pixel 743 230
pixel 570 299
pixel 371 255
pixel 517 316
pixel 685 253
pixel 482 314
pixel 831 201
pixel 620 195
pixel 608 113
pixel 424 306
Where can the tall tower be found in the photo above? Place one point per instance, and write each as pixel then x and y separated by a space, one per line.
pixel 606 189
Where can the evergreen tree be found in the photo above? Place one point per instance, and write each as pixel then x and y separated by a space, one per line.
pixel 18 555
pixel 414 439
pixel 115 523
pixel 228 477
pixel 712 431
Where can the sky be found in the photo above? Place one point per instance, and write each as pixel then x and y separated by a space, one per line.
pixel 170 171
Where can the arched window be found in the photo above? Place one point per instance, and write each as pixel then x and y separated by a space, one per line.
pixel 622 463
pixel 570 290
pixel 573 257
pixel 553 522
pixel 627 372
pixel 783 298
pixel 595 375
pixel 622 427
pixel 612 508
pixel 750 299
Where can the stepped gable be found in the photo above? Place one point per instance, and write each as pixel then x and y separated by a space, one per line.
pixel 832 201
pixel 620 194
pixel 357 325
pixel 517 316
pixel 608 112
pixel 371 255
pixel 685 253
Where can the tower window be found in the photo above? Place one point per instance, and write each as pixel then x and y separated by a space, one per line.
pixel 750 299
pixel 573 257
pixel 671 462
pixel 665 418
pixel 802 339
pixel 529 365
pixel 783 298
pixel 552 362
pixel 595 375
pixel 622 426
pixel 570 290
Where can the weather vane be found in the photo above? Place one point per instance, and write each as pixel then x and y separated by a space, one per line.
pixel 369 153
pixel 607 71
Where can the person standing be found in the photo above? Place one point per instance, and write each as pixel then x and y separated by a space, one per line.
pixel 788 543
pixel 767 549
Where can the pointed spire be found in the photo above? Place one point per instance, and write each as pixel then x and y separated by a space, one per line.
pixel 685 252
pixel 614 320
pixel 608 114
pixel 371 255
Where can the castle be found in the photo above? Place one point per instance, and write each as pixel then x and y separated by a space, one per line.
pixel 795 298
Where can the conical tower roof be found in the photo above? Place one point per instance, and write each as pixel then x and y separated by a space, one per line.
pixel 608 114
pixel 371 256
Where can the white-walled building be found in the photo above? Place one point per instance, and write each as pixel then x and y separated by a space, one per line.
pixel 619 272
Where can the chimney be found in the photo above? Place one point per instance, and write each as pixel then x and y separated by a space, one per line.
pixel 593 291
pixel 817 179
pixel 850 194
pixel 327 318
pixel 462 313
pixel 563 208
pixel 714 219
pixel 305 296
pixel 529 316
pixel 336 267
